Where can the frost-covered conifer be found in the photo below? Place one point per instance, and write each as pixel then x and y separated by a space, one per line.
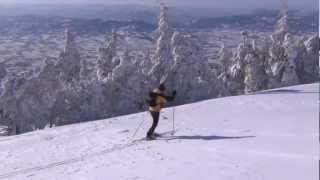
pixel 3 71
pixel 225 57
pixel 311 61
pixel 191 73
pixel 289 76
pixel 69 64
pixel 162 58
pixel 277 51
pixel 255 75
pixel 282 26
pixel 237 69
pixel 107 58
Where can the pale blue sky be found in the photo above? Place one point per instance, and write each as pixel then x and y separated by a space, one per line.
pixel 310 4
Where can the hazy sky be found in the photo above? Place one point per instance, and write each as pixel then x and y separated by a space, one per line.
pixel 310 4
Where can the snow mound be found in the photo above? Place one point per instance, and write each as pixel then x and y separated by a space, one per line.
pixel 269 135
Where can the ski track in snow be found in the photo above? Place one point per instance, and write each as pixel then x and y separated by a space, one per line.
pixel 65 162
pixel 271 135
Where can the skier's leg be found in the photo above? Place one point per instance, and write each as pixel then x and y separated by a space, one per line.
pixel 155 117
pixel 153 126
pixel 150 131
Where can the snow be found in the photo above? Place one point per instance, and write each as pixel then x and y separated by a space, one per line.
pixel 269 135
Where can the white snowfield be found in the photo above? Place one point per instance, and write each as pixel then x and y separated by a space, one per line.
pixel 272 135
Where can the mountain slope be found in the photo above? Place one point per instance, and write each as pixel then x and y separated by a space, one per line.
pixel 268 135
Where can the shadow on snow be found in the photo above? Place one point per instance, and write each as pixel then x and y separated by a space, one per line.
pixel 284 91
pixel 205 138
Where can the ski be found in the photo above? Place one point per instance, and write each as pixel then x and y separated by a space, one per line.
pixel 157 137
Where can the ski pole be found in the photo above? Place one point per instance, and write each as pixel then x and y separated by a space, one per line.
pixel 134 135
pixel 173 128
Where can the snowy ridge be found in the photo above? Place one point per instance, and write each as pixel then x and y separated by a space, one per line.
pixel 267 135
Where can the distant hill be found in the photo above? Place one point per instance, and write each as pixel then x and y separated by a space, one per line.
pixel 260 20
pixel 31 24
pixel 180 17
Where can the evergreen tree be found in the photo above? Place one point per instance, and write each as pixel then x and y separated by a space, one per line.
pixel 162 58
pixel 311 61
pixel 69 64
pixel 277 52
pixel 190 73
pixel 237 69
pixel 290 76
pixel 3 71
pixel 107 60
pixel 282 26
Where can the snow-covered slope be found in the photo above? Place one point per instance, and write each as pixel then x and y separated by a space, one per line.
pixel 272 135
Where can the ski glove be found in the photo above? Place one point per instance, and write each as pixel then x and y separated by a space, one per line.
pixel 174 93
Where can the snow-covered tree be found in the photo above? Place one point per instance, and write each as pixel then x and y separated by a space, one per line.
pixel 107 60
pixel 311 61
pixel 277 51
pixel 224 62
pixel 301 57
pixel 248 69
pixel 255 74
pixel 282 27
pixel 276 62
pixel 237 70
pixel 225 57
pixel 85 72
pixel 3 71
pixel 131 83
pixel 290 76
pixel 256 68
pixel 146 62
pixel 190 74
pixel 162 58
pixel 30 102
pixel 69 63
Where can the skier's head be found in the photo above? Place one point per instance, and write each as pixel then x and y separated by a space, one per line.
pixel 162 87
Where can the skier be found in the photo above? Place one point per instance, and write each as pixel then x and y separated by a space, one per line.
pixel 157 101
